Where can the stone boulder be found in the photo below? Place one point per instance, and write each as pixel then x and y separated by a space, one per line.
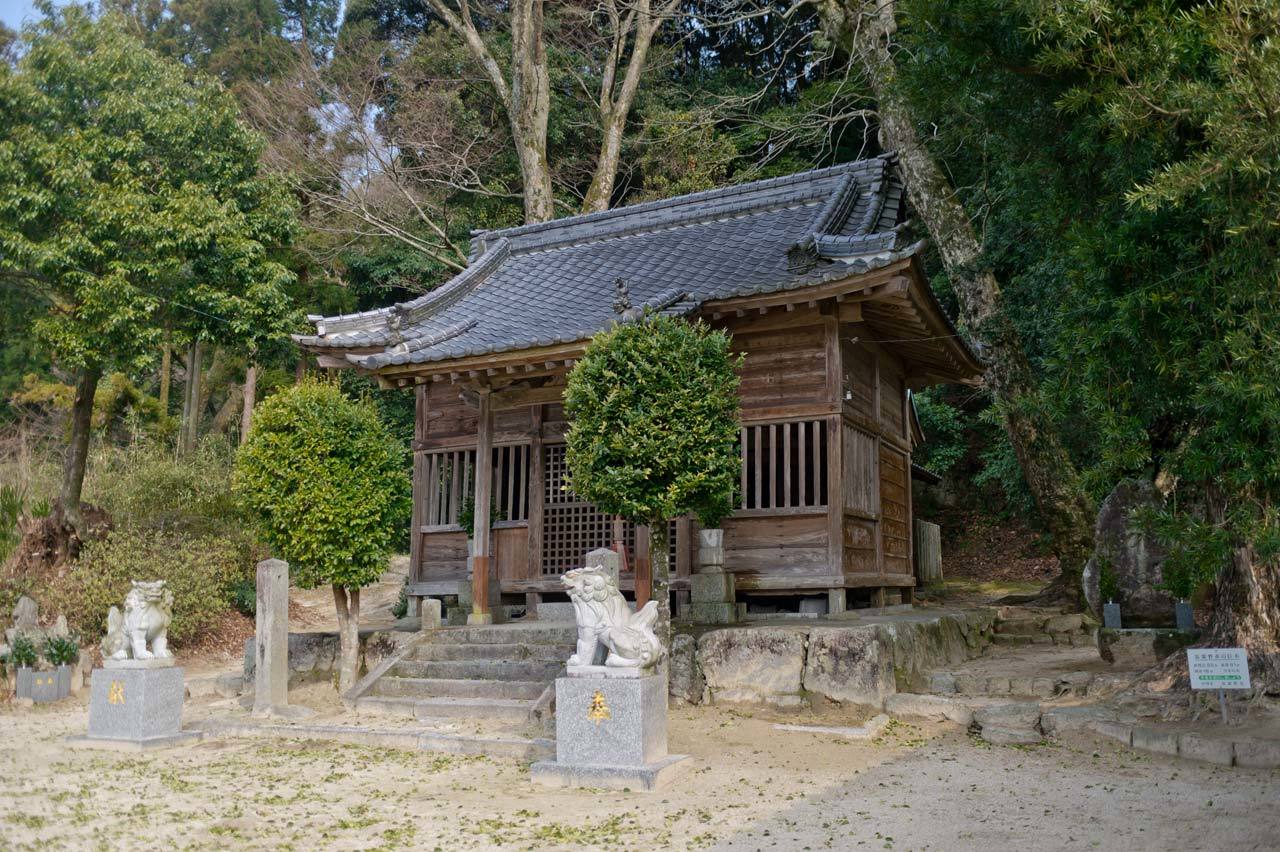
pixel 753 664
pixel 1133 556
pixel 850 664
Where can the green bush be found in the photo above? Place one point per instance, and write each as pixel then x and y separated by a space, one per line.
pixel 244 597
pixel 61 650
pixel 197 570
pixel 12 501
pixel 147 486
pixel 326 483
pixel 22 653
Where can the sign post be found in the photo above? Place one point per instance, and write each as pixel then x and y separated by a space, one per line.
pixel 1220 669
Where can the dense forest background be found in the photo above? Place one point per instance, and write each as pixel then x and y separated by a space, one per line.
pixel 1115 163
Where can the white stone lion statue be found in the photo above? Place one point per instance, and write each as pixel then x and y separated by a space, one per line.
pixel 605 621
pixel 148 609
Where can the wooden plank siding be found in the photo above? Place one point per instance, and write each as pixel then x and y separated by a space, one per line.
pixel 823 501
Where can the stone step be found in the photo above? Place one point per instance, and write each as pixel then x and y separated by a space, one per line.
pixel 507 634
pixel 504 709
pixel 432 651
pixel 1020 626
pixel 417 687
pixel 477 669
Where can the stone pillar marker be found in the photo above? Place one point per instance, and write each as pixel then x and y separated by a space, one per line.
pixel 712 593
pixel 271 629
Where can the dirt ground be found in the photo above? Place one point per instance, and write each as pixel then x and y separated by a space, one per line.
pixel 750 786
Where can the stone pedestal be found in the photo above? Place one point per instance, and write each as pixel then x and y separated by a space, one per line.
pixel 712 593
pixel 611 731
pixel 271 629
pixel 136 704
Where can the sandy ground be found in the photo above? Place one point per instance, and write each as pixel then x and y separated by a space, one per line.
pixel 749 787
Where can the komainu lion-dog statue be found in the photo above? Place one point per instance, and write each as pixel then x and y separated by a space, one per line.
pixel 148 609
pixel 605 621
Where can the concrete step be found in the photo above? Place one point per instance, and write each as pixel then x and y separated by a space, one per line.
pixel 531 633
pixel 477 669
pixel 505 709
pixel 417 687
pixel 432 651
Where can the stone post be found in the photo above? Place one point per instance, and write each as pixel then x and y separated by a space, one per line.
pixel 712 594
pixel 271 678
pixel 605 558
pixel 430 614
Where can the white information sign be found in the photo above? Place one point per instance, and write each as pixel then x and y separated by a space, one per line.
pixel 1218 668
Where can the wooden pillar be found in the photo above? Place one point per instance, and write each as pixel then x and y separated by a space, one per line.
pixel 480 611
pixel 835 441
pixel 537 501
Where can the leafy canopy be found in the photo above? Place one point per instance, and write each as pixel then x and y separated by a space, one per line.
pixel 130 198
pixel 327 484
pixel 654 432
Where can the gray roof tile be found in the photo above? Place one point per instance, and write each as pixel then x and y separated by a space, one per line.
pixel 554 282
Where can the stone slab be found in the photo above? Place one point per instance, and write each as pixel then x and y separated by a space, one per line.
pixel 151 744
pixel 645 779
pixel 271 629
pixel 1152 739
pixel 606 671
pixel 704 612
pixel 1258 754
pixel 1010 736
pixel 136 704
pixel 432 614
pixel 936 708
pixel 151 663
pixel 555 611
pixel 870 730
pixel 615 722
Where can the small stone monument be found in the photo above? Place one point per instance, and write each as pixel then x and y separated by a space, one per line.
pixel 135 699
pixel 611 709
pixel 271 631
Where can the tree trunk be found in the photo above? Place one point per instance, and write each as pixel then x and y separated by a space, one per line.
pixel 660 572
pixel 250 399
pixel 1051 476
pixel 347 602
pixel 531 107
pixel 1246 607
pixel 190 428
pixel 73 467
pixel 166 370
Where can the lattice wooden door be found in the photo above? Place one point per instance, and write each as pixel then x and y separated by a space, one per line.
pixel 572 527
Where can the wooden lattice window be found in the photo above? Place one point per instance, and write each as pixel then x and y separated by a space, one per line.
pixel 572 527
pixel 450 483
pixel 784 465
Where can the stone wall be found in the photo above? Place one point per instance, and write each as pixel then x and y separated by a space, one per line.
pixel 314 656
pixel 858 663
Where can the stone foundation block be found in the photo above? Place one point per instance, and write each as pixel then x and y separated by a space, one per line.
pixel 136 704
pixel 753 664
pixel 712 588
pixel 713 613
pixel 1119 731
pixel 431 614
pixel 1197 747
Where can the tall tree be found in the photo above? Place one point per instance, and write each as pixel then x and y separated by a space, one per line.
pixel 1049 470
pixel 613 42
pixel 131 201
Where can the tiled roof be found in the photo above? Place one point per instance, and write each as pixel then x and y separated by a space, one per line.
pixel 555 282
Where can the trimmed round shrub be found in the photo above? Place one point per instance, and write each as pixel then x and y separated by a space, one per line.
pixel 327 484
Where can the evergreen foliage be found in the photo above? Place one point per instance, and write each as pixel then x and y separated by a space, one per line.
pixel 654 431
pixel 326 484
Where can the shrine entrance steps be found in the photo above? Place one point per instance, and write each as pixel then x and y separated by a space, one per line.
pixel 504 673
